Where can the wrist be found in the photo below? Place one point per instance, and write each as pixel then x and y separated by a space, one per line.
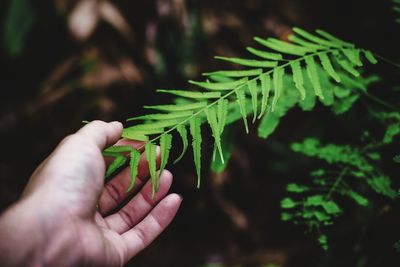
pixel 30 236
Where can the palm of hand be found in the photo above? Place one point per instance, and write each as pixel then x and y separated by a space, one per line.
pixel 70 184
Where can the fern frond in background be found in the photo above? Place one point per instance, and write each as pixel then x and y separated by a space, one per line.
pixel 282 75
pixel 396 9
pixel 349 172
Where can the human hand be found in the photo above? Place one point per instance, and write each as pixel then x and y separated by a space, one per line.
pixel 56 222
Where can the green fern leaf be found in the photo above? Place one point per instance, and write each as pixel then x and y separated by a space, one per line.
pixel 156 126
pixel 353 55
pixel 265 89
pixel 311 46
pixel 277 76
pixel 268 124
pixel 220 86
pixel 134 135
pixel 370 57
pixel 235 73
pixel 347 67
pixel 298 78
pixel 283 47
pixel 180 107
pixel 333 39
pixel 195 131
pixel 222 112
pixel 322 42
pixel 241 100
pixel 189 94
pixel 117 163
pixel 215 129
pixel 167 116
pixel 150 150
pixel 252 85
pixel 183 133
pixel 133 165
pixel 313 76
pixel 117 149
pixel 165 147
pixel 327 65
pixel 249 62
pixel 265 55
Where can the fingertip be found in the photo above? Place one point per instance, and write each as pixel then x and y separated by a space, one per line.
pixel 117 125
pixel 176 198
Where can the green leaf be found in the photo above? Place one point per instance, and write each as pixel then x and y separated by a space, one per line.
pixel 341 106
pixel 133 165
pixel 249 62
pixel 332 38
pixel 241 100
pixel 220 86
pixel 235 73
pixel 283 47
pixel 313 76
pixel 396 158
pixel 156 126
pixel 298 78
pixel 265 89
pixel 323 241
pixel 316 200
pixel 195 131
pixel 347 67
pixel 331 207
pixel 316 39
pixel 285 216
pixel 360 200
pixel 288 203
pixel 268 124
pixel 212 121
pixel 134 135
pixel 19 20
pixel 150 150
pixel 327 65
pixel 263 54
pixel 382 185
pixel 165 147
pixel 277 76
pixel 297 40
pixel 180 107
pixel 222 112
pixel 353 55
pixel 295 188
pixel 227 141
pixel 118 149
pixel 117 163
pixel 167 116
pixel 183 133
pixel 370 57
pixel 252 85
pixel 190 94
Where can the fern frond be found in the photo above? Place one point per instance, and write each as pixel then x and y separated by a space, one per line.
pixel 396 9
pixel 314 205
pixel 282 75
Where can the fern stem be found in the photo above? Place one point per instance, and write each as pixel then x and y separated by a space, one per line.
pixel 381 101
pixel 337 183
pixel 283 66
pixel 389 61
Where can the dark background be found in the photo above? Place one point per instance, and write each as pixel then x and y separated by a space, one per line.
pixel 60 77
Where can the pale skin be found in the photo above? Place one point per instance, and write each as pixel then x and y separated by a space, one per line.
pixel 68 216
